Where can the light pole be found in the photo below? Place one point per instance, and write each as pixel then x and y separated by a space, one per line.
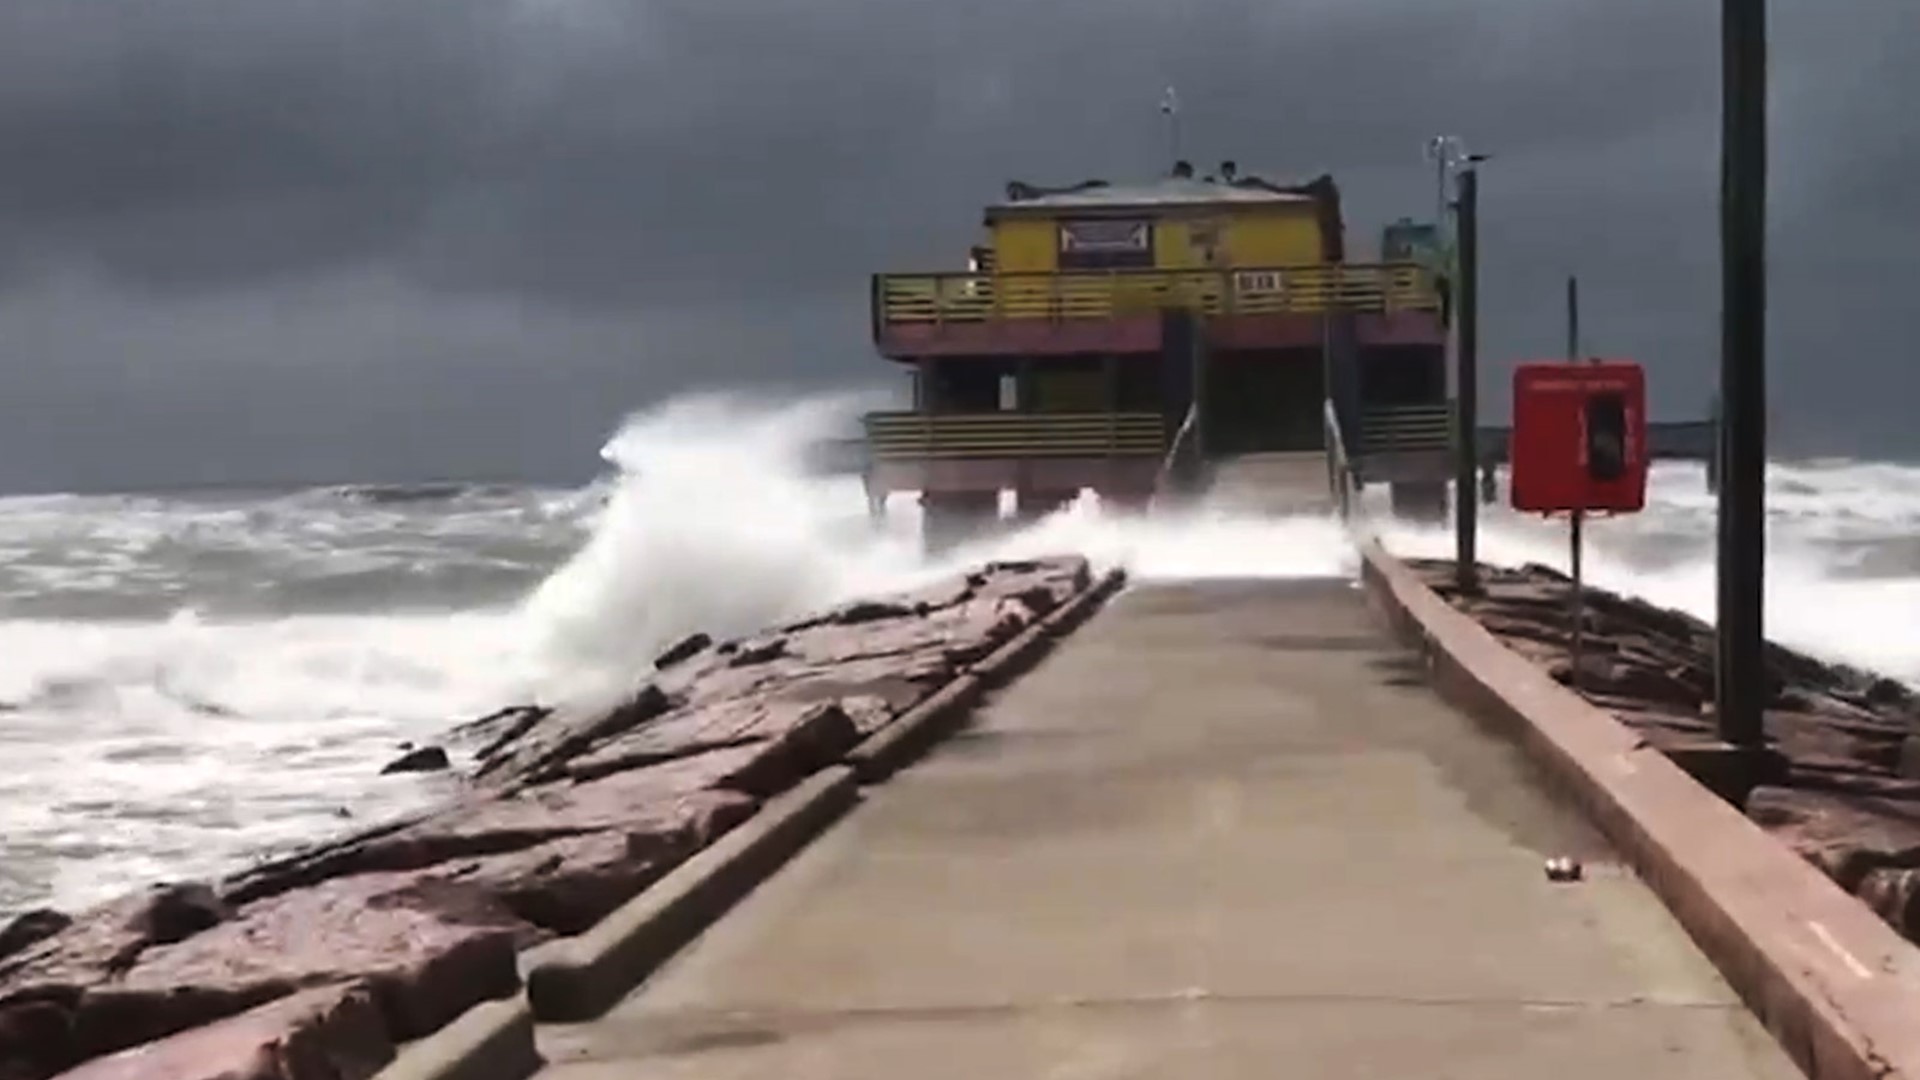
pixel 1740 639
pixel 1466 422
pixel 1446 152
pixel 1170 108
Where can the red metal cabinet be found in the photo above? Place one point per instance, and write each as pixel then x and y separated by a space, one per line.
pixel 1579 437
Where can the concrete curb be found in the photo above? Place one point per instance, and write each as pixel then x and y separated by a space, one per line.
pixel 902 742
pixel 1019 655
pixel 895 746
pixel 1834 984
pixel 491 1041
pixel 581 977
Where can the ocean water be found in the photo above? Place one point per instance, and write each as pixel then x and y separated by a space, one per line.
pixel 190 681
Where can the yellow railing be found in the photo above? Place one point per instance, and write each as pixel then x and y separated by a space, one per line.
pixel 1387 429
pixel 906 435
pixel 938 298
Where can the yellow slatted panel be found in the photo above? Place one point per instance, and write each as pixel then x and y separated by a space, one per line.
pixel 935 298
pixel 1408 427
pixel 921 436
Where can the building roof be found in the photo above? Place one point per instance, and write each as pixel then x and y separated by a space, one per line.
pixel 1173 191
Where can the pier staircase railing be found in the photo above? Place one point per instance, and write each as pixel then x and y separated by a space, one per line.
pixel 1342 480
pixel 1180 467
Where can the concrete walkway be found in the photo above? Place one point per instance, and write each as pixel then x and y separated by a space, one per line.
pixel 1224 831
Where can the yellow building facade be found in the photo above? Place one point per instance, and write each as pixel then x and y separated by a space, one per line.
pixel 1198 225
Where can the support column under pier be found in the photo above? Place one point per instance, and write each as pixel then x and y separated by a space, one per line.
pixel 949 518
pixel 1127 502
pixel 1423 502
pixel 1032 505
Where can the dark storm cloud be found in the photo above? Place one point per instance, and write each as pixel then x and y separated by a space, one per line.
pixel 324 237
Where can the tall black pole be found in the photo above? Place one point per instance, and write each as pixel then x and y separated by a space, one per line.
pixel 1576 528
pixel 1466 509
pixel 1740 677
pixel 1573 319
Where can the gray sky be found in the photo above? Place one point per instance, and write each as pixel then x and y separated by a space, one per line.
pixel 314 240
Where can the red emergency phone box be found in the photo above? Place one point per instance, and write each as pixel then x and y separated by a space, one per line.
pixel 1579 437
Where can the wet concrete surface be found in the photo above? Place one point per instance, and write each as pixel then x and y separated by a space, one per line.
pixel 1225 830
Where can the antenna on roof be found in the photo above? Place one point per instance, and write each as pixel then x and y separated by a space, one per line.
pixel 1170 108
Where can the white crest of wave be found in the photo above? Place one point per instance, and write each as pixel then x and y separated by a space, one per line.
pixel 712 525
pixel 715 525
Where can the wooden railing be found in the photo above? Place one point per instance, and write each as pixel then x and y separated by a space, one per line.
pixel 922 436
pixel 964 297
pixel 1406 428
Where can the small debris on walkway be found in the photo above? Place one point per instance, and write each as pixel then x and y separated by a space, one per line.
pixel 1563 868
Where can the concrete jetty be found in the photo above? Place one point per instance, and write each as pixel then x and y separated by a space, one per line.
pixel 1308 827
pixel 1227 829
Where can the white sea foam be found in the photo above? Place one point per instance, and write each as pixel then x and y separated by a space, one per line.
pixel 1813 602
pixel 136 751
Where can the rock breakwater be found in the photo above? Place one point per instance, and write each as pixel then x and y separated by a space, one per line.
pixel 1841 784
pixel 316 964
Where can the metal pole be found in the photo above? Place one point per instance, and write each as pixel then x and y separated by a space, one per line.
pixel 1170 108
pixel 1573 318
pixel 1445 151
pixel 1466 391
pixel 1576 527
pixel 1440 190
pixel 1715 459
pixel 1741 638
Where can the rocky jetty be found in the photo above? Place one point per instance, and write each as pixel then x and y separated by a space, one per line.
pixel 1841 784
pixel 317 964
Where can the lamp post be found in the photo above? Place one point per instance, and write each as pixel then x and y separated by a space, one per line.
pixel 1466 434
pixel 1170 108
pixel 1740 639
